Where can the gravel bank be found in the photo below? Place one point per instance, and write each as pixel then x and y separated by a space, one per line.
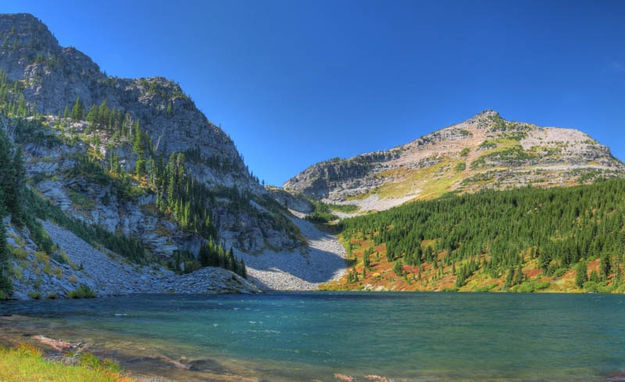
pixel 109 274
pixel 302 269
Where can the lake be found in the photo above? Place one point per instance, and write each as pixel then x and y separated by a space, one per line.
pixel 305 336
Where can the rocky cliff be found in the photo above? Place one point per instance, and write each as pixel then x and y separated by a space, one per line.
pixel 482 152
pixel 52 79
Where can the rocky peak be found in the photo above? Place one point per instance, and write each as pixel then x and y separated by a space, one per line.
pixel 53 78
pixel 484 151
pixel 486 114
pixel 24 39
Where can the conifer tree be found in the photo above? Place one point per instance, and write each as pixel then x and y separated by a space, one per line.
pixel 78 110
pixel 5 280
pixel 16 190
pixel 140 167
pixel 518 275
pixel 11 181
pixel 580 275
pixel 605 267
pixel 243 269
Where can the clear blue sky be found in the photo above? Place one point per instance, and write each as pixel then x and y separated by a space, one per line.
pixel 296 82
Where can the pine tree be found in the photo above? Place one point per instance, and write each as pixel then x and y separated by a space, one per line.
pixel 16 191
pixel 518 275
pixel 580 275
pixel 5 280
pixel 366 262
pixel 11 181
pixel 594 276
pixel 605 267
pixel 230 261
pixel 243 269
pixel 618 277
pixel 78 110
pixel 103 114
pixel 510 278
pixel 92 116
pixel 398 268
pixel 140 167
pixel 6 186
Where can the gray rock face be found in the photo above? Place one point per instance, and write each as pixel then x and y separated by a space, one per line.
pixel 87 199
pixel 55 76
pixel 482 152
pixel 292 202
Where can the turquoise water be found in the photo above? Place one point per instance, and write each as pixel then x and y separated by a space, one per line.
pixel 416 336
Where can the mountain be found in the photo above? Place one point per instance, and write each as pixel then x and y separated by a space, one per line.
pixel 119 171
pixel 54 79
pixel 483 152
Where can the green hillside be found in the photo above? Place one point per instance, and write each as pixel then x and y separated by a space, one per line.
pixel 559 239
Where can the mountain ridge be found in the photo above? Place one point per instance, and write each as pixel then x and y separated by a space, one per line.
pixel 484 151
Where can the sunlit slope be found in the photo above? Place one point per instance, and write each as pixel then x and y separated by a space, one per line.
pixel 560 239
pixel 484 152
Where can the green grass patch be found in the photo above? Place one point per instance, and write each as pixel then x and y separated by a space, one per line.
pixel 83 291
pixel 532 286
pixel 345 208
pixel 81 201
pixel 487 288
pixel 26 364
pixel 34 295
pixel 322 214
pixel 596 287
pixel 487 145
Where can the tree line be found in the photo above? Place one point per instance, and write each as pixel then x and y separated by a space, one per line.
pixel 497 231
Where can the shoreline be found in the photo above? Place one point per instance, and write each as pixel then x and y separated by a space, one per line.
pixel 310 291
pixel 144 362
pixel 137 362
